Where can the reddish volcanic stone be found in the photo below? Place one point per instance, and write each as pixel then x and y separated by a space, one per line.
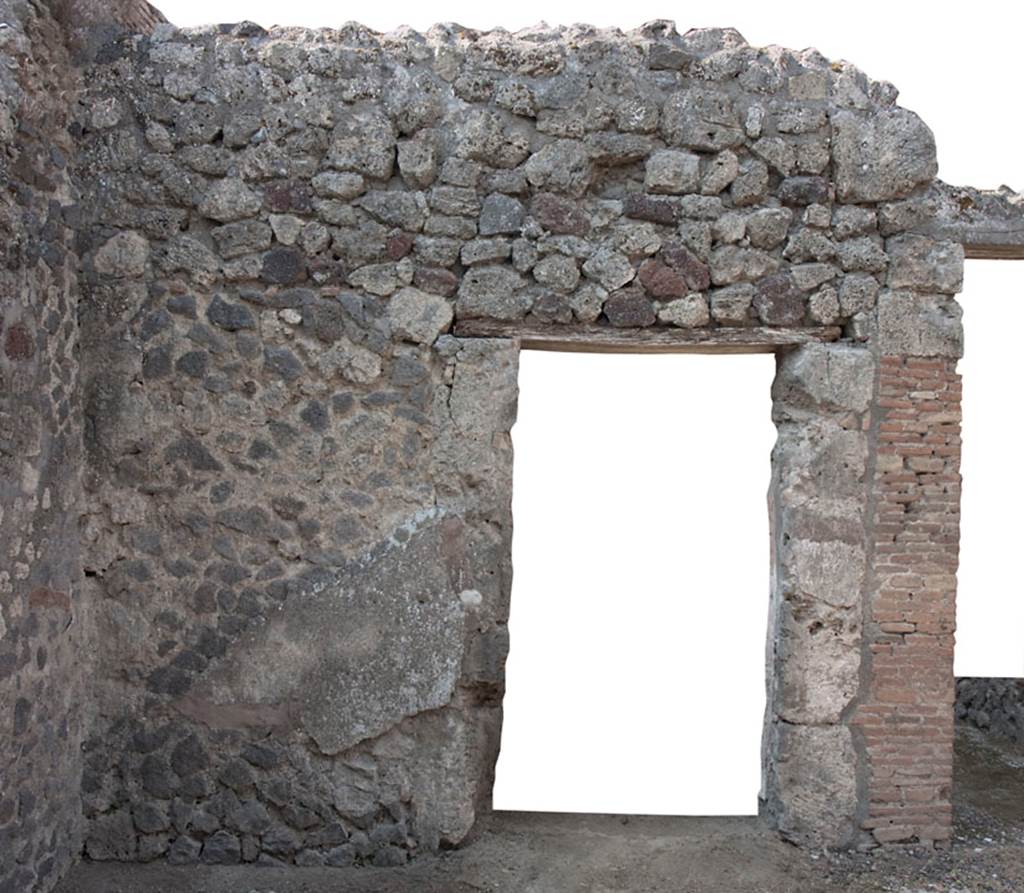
pixel 629 307
pixel 19 343
pixel 661 281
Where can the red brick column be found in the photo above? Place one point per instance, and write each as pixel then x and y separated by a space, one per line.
pixel 906 716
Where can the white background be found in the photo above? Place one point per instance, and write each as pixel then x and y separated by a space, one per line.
pixel 641 548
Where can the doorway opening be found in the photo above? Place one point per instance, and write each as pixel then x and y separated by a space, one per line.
pixel 990 591
pixel 636 677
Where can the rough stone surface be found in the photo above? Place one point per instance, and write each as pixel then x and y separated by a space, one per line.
pixel 992 704
pixel 256 495
pixel 418 316
pixel 672 172
pixel 44 611
pixel 882 156
pixel 919 325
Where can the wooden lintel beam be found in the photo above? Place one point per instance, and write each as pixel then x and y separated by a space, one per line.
pixel 982 251
pixel 607 339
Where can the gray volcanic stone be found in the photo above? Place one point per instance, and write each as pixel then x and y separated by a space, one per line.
pixel 557 272
pixel 733 263
pixel 485 251
pixel 281 841
pixel 418 315
pixel 344 186
pixel 283 266
pixel 189 756
pixel 858 293
pixel 732 305
pixel 804 191
pixel 111 837
pixel 282 362
pixel 823 305
pixel 150 818
pixel 500 214
pixel 808 277
pixel 919 325
pixel 751 184
pixel 925 264
pixel 672 172
pixel 236 239
pixel 767 228
pixel 587 302
pixel 562 166
pixel 853 220
pixel 482 136
pixel 407 210
pixel 495 292
pixel 230 316
pixel 701 118
pixel 124 256
pixel 182 305
pixel 363 141
pixel 864 253
pixel 778 153
pixel 720 172
pixel 611 269
pixel 221 848
pixel 251 817
pixel 881 156
pixel 687 312
pixel 993 704
pixel 230 199
pixel 184 850
pixel 417 162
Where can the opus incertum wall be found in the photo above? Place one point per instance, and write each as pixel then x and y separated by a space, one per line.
pixel 263 296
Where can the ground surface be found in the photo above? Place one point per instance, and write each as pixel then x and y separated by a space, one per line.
pixel 534 853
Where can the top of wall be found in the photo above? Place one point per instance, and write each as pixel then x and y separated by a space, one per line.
pixel 551 176
pixel 133 15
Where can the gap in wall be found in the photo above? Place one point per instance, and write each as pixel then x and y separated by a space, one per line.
pixel 990 586
pixel 636 680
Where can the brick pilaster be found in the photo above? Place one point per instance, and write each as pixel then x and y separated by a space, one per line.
pixel 906 716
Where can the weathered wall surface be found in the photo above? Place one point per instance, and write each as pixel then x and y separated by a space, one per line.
pixel 993 704
pixel 300 496
pixel 299 480
pixel 295 539
pixel 822 398
pixel 41 600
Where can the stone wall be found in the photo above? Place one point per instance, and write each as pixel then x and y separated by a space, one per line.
pixel 298 480
pixel 272 259
pixel 42 610
pixel 992 704
pixel 822 398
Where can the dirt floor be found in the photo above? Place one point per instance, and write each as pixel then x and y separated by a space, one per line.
pixel 536 853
